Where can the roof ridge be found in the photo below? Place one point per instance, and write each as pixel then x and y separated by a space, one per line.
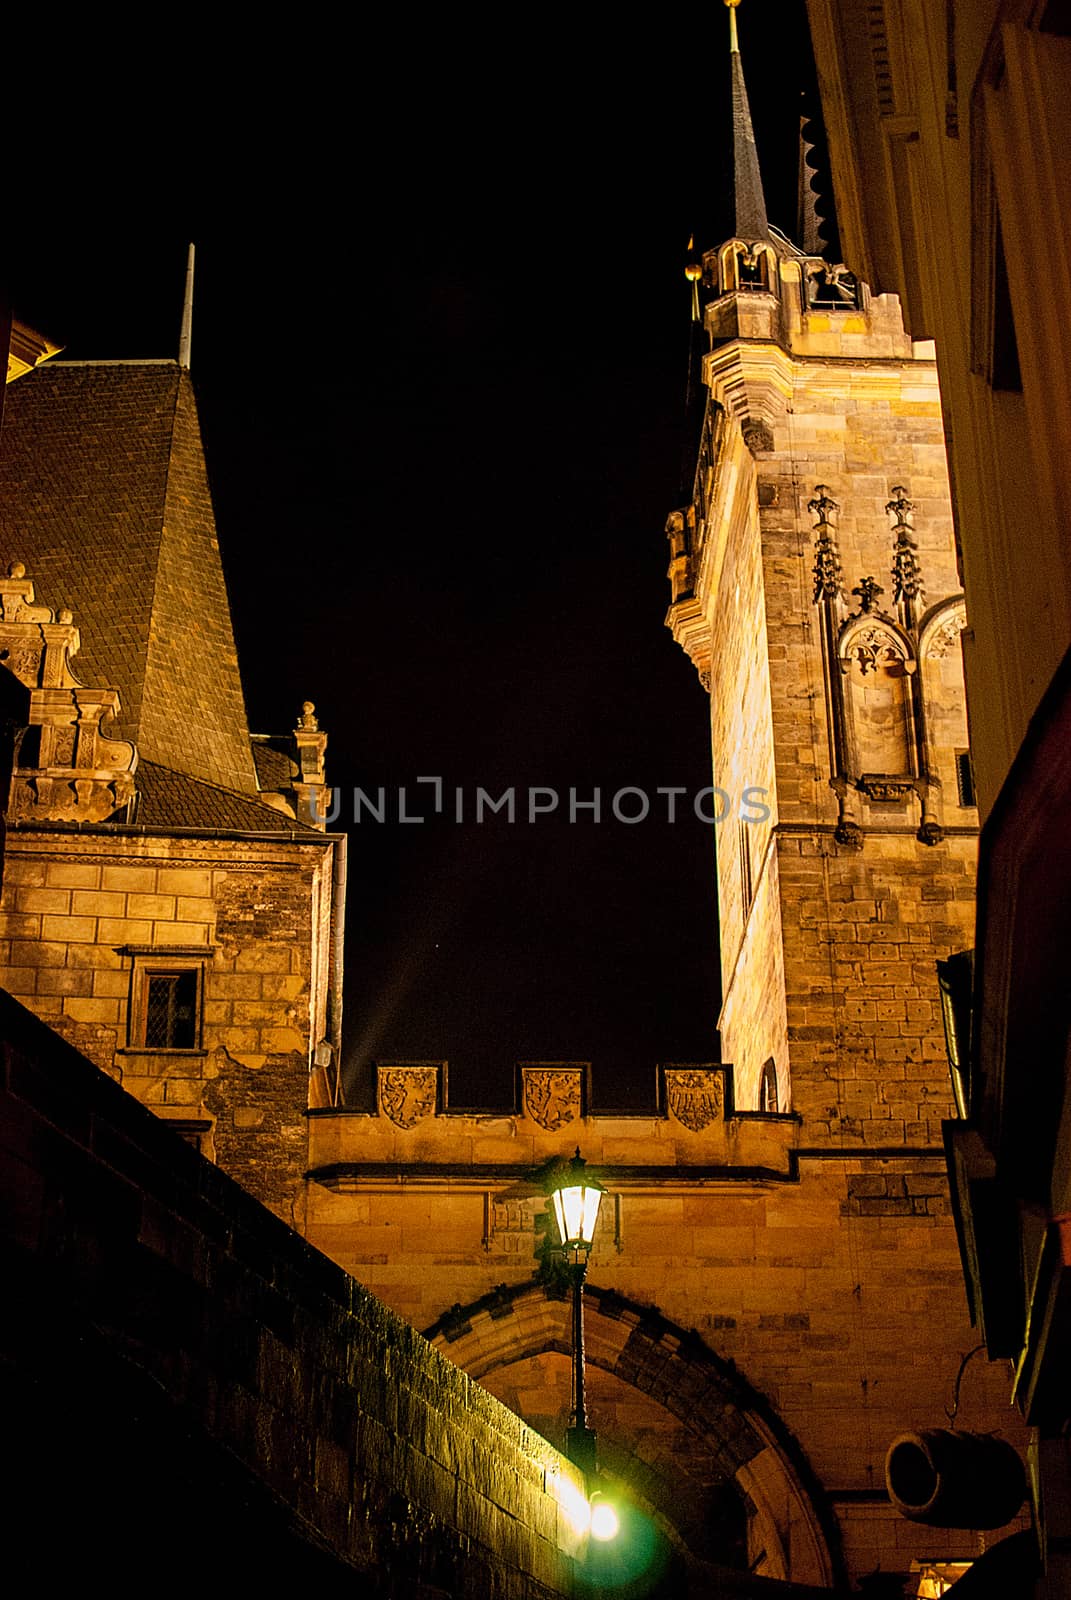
pixel 164 485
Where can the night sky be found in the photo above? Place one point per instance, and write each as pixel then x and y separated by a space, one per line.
pixel 440 348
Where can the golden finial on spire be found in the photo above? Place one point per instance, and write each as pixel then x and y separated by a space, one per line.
pixel 734 42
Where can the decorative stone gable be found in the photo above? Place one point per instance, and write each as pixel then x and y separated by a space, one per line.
pixel 66 769
pixel 881 709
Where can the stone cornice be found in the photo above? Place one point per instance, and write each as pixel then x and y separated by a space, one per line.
pixel 753 381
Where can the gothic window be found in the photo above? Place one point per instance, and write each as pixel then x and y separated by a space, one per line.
pixel 831 288
pixel 748 267
pixel 878 686
pixel 747 882
pixel 948 757
pixel 768 1089
pixel 965 779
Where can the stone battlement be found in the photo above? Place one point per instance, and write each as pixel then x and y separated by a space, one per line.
pixel 693 1128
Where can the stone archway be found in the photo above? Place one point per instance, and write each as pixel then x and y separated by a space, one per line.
pixel 678 1425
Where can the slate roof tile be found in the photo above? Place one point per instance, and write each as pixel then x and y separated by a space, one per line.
pixel 168 799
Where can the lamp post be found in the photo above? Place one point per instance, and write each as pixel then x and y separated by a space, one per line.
pixel 576 1197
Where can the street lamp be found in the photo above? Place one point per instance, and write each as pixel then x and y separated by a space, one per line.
pixel 576 1198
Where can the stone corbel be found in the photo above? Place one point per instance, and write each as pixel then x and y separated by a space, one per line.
pixel 754 384
pixel 758 435
pixel 848 831
pixel 930 830
pixel 692 632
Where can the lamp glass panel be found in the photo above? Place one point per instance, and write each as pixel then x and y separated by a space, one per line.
pixel 576 1211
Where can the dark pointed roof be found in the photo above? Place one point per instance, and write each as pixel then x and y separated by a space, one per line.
pixel 104 495
pixel 750 202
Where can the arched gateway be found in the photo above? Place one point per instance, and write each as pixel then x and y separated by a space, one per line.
pixel 697 1446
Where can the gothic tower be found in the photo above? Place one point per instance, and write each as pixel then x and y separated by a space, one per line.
pixel 814 585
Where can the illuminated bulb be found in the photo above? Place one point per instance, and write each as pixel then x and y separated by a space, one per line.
pixel 604 1523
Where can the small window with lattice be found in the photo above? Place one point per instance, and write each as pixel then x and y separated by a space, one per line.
pixel 165 1011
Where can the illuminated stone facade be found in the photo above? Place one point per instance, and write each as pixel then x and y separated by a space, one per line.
pixel 169 904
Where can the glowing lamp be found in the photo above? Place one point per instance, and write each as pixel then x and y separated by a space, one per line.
pixel 576 1206
pixel 575 1196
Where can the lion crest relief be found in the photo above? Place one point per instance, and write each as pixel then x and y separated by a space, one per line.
pixel 551 1096
pixel 407 1094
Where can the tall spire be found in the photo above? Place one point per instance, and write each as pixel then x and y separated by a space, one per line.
pixel 751 223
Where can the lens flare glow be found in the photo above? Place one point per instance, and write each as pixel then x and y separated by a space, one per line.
pixel 604 1523
pixel 573 1502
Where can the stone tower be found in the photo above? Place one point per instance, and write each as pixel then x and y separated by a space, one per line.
pixel 814 586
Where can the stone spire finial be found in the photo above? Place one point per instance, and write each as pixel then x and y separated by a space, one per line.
pixel 186 332
pixel 751 221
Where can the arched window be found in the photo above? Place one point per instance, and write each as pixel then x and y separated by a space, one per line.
pixel 768 1089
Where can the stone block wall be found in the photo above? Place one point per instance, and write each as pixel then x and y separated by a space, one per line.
pixel 85 917
pixel 206 1394
pixel 754 1016
pixel 862 933
pixel 753 1022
